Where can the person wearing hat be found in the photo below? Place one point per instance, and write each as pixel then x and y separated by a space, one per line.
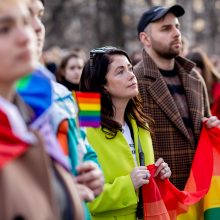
pixel 173 93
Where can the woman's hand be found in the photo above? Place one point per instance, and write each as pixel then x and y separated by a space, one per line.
pixel 140 176
pixel 91 176
pixel 163 171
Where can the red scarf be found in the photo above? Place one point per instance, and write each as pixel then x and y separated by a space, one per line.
pixel 11 146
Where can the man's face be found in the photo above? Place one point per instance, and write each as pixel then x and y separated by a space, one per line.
pixel 165 37
pixel 37 12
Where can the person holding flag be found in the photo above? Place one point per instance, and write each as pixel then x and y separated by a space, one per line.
pixel 173 93
pixel 123 142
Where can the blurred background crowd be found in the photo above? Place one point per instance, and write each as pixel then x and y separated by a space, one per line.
pixel 73 27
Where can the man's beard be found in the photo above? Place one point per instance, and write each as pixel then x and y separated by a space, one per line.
pixel 167 53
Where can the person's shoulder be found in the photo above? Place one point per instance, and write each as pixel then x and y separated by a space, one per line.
pixel 139 65
pixel 95 135
pixel 91 130
pixel 195 74
pixel 190 70
pixel 46 72
pixel 139 69
pixel 64 98
pixel 59 90
pixel 186 65
pixel 145 65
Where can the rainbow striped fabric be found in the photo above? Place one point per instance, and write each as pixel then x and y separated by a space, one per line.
pixel 209 207
pixel 36 90
pixel 89 108
pixel 200 199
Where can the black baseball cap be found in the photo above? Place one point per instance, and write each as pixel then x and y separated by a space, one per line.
pixel 157 12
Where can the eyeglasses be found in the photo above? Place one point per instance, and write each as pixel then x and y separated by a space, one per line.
pixel 101 50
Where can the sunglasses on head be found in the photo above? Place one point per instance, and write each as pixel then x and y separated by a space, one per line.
pixel 101 50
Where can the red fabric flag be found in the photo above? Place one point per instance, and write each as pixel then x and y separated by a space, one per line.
pixel 11 146
pixel 162 200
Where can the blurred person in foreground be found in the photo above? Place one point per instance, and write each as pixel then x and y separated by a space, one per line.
pixel 28 175
pixel 173 93
pixel 63 119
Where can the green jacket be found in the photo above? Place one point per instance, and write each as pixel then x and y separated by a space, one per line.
pixel 119 198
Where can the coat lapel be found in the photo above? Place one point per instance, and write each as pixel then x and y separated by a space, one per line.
pixel 189 83
pixel 161 95
pixel 159 92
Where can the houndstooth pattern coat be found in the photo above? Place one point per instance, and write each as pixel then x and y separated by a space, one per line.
pixel 171 139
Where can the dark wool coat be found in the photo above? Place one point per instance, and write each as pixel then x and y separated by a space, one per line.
pixel 171 139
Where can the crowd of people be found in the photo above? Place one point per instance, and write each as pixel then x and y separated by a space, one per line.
pixel 153 108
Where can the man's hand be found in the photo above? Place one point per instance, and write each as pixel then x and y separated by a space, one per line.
pixel 211 122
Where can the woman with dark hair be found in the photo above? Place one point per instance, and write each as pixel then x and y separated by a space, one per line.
pixel 70 70
pixel 123 136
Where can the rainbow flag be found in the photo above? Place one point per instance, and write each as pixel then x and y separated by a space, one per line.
pixel 209 207
pixel 89 108
pixel 200 199
pixel 36 91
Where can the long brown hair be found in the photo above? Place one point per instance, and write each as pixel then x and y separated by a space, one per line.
pixel 61 68
pixel 93 79
pixel 208 71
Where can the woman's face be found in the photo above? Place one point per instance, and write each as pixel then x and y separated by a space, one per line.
pixel 121 81
pixel 17 42
pixel 73 70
